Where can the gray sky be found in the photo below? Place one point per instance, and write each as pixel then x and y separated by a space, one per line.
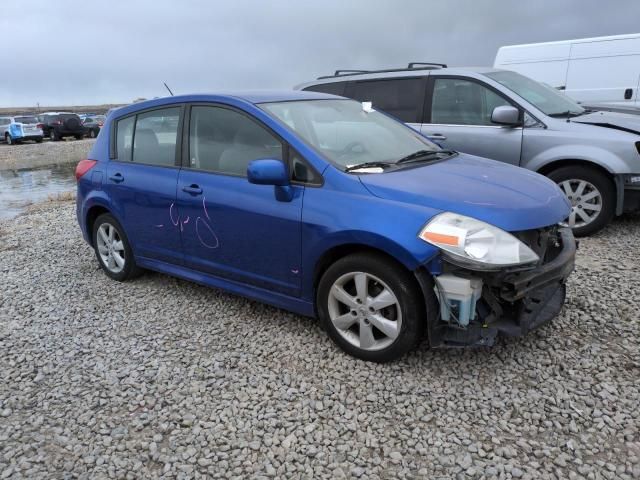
pixel 91 52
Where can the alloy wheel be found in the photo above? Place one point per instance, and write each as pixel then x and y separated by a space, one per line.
pixel 586 202
pixel 365 311
pixel 110 248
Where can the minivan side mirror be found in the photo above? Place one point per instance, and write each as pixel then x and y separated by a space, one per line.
pixel 506 115
pixel 268 171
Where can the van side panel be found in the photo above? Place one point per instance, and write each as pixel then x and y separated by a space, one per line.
pixel 545 63
pixel 603 71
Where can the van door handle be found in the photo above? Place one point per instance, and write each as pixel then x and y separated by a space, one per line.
pixel 192 189
pixel 436 136
pixel 628 93
pixel 117 178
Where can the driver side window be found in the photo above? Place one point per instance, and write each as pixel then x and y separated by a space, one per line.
pixel 222 140
pixel 462 102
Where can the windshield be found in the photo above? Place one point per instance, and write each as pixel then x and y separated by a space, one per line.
pixel 543 97
pixel 26 120
pixel 348 133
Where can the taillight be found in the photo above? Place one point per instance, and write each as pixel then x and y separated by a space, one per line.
pixel 39 125
pixel 83 167
pixel 100 125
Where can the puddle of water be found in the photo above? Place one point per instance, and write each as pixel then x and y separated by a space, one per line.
pixel 19 188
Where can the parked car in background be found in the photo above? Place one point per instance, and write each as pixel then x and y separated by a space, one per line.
pixel 600 72
pixel 323 206
pixel 498 114
pixel 19 129
pixel 57 125
pixel 92 125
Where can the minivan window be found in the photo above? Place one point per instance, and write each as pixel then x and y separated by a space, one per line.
pixel 225 141
pixel 155 137
pixel 456 101
pixel 543 97
pixel 400 97
pixel 335 88
pixel 348 134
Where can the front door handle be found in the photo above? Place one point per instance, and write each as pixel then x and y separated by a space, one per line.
pixel 628 93
pixel 436 136
pixel 117 178
pixel 192 189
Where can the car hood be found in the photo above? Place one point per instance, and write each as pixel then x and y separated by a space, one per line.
pixel 625 122
pixel 508 197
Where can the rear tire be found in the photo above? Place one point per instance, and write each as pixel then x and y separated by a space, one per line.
pixel 8 139
pixel 592 196
pixel 113 249
pixel 371 307
pixel 53 136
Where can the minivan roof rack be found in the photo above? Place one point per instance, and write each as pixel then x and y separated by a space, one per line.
pixel 411 66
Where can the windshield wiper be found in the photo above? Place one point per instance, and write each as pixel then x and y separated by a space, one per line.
pixel 424 155
pixel 359 166
pixel 567 114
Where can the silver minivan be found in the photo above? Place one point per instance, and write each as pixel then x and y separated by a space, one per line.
pixel 499 114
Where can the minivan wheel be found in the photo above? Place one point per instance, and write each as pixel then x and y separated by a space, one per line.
pixel 371 307
pixel 592 197
pixel 8 139
pixel 113 249
pixel 52 136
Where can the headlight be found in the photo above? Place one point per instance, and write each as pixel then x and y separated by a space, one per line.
pixel 475 243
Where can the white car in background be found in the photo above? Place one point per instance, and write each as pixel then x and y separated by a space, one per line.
pixel 600 72
pixel 20 128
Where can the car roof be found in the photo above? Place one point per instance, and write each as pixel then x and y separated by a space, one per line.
pixel 464 71
pixel 250 96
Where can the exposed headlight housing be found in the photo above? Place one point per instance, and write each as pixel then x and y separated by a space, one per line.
pixel 476 244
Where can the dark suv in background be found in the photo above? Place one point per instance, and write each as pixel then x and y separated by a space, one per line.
pixel 60 124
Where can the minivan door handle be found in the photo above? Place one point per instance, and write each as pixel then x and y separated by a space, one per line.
pixel 192 189
pixel 436 136
pixel 117 178
pixel 628 93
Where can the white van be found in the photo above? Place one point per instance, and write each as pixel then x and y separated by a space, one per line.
pixel 596 72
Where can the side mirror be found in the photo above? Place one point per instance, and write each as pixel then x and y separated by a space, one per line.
pixel 506 115
pixel 268 172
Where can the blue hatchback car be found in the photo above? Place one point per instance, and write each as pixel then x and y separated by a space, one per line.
pixel 325 207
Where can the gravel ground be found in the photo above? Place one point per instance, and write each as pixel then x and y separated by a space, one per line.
pixel 162 378
pixel 30 155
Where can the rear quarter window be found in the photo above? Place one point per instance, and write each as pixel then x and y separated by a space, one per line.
pixel 336 88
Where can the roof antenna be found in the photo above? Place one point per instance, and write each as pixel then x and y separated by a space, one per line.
pixel 167 87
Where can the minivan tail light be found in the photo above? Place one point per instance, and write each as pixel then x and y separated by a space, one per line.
pixel 83 167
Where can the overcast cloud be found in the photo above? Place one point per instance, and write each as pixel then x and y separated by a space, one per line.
pixel 115 51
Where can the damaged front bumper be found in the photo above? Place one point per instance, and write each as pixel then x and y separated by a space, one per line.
pixel 513 301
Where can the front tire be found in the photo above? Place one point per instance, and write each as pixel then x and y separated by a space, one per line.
pixel 113 249
pixel 592 196
pixel 53 136
pixel 9 139
pixel 371 307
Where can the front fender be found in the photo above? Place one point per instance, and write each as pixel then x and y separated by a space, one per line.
pixel 606 159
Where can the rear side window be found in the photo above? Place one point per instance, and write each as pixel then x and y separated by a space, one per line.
pixel 155 137
pixel 336 88
pixel 225 141
pixel 400 97
pixel 124 140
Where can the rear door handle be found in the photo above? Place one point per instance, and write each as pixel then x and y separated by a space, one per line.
pixel 116 177
pixel 192 189
pixel 437 136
